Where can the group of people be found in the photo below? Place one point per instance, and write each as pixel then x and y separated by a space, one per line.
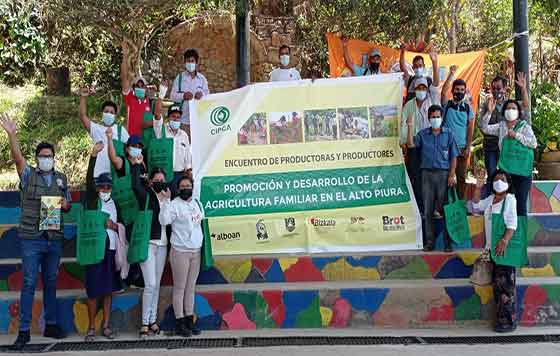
pixel 150 161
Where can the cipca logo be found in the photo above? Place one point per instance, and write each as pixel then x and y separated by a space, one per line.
pixel 219 117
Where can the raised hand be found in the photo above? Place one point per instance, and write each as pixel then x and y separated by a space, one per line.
pixel 8 124
pixel 109 133
pixel 433 54
pixel 453 70
pixel 164 195
pixel 85 91
pixel 521 80
pixel 491 103
pixel 98 147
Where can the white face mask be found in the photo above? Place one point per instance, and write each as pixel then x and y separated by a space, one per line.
pixel 108 119
pixel 500 186
pixel 435 122
pixel 45 164
pixel 511 114
pixel 134 152
pixel 105 196
pixel 191 67
pixel 285 60
pixel 420 94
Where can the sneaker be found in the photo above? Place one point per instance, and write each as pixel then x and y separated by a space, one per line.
pixel 22 339
pixel 54 332
pixel 505 328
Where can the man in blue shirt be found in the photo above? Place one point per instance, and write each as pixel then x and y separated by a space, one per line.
pixel 458 117
pixel 42 188
pixel 438 155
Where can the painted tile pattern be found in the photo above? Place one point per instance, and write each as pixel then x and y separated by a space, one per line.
pixel 371 307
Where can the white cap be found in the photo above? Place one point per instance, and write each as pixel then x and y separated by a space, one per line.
pixel 420 81
pixel 375 52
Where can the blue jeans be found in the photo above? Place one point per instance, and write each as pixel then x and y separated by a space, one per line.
pixel 34 254
pixel 491 164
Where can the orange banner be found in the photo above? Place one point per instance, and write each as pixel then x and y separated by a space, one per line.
pixel 470 64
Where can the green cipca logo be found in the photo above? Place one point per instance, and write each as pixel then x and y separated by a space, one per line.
pixel 219 116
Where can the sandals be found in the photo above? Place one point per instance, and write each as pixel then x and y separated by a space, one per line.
pixel 108 333
pixel 144 331
pixel 90 336
pixel 154 328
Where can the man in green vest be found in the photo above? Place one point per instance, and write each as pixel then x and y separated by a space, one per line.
pixel 44 196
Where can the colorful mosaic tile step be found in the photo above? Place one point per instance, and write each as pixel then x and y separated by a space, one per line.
pixel 314 269
pixel 399 307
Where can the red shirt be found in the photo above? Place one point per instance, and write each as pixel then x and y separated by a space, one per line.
pixel 135 109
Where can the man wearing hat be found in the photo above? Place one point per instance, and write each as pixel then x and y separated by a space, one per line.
pixel 416 111
pixel 181 144
pixel 371 66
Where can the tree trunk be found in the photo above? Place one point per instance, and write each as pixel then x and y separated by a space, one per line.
pixel 132 61
pixel 455 8
pixel 58 81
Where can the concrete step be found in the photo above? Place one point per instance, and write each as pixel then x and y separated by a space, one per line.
pixel 373 304
pixel 401 265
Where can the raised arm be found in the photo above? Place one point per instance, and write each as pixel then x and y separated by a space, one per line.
pixel 115 160
pixel 483 124
pixel 347 58
pixel 402 63
pixel 522 84
pixel 138 186
pixel 435 67
pixel 91 192
pixel 447 84
pixel 11 129
pixel 125 83
pixel 86 122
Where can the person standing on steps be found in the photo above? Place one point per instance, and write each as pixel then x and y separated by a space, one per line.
pixel 185 215
pixel 101 278
pixel 438 154
pixel 152 268
pixel 517 141
pixel 458 117
pixel 41 246
pixel 97 132
pixel 189 85
pixel 500 208
pixel 499 94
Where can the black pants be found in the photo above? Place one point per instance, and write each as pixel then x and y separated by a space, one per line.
pixel 415 175
pixel 505 296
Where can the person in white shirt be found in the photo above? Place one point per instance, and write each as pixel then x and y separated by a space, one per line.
pixel 185 215
pixel 284 73
pixel 97 132
pixel 182 159
pixel 189 85
pixel 98 195
pixel 500 205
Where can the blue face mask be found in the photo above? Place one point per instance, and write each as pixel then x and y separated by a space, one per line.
pixel 174 125
pixel 134 152
pixel 420 94
pixel 419 72
pixel 140 93
pixel 108 119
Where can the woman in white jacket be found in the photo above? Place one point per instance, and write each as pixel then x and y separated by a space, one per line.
pixel 184 214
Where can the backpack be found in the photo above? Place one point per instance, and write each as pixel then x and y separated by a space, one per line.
pixel 449 104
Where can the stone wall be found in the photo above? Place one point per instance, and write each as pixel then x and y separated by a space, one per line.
pixel 214 39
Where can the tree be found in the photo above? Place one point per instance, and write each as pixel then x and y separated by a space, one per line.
pixel 22 45
pixel 130 24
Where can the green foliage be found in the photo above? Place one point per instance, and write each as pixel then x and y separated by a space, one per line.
pixel 545 116
pixel 53 119
pixel 22 45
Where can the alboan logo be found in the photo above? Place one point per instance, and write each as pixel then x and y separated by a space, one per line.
pixel 322 222
pixel 224 236
pixel 219 118
pixel 393 223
